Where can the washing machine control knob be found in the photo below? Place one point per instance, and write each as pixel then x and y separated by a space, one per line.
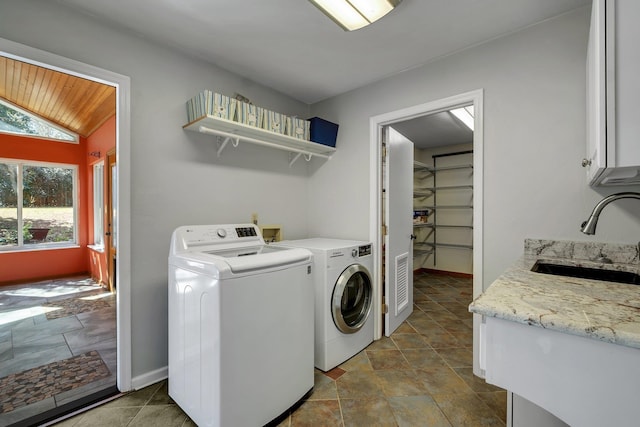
pixel 222 233
pixel 354 253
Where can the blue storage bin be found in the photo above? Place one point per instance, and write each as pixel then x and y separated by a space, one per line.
pixel 323 131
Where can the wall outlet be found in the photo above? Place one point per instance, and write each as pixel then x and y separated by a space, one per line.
pixel 254 218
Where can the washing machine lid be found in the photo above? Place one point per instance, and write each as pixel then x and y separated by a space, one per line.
pixel 247 259
pixel 229 248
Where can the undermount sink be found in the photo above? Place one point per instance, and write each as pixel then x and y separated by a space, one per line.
pixel 586 273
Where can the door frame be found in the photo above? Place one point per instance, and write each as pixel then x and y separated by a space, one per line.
pixel 111 160
pixel 122 84
pixel 376 123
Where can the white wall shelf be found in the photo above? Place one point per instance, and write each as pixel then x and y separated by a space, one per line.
pixel 235 132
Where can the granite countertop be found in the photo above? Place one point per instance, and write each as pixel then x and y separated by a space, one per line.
pixel 595 309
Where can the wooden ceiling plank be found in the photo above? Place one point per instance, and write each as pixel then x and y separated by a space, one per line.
pixel 27 86
pixel 66 111
pixel 86 108
pixel 103 112
pixel 23 85
pixel 3 77
pixel 52 94
pixel 62 95
pixel 14 76
pixel 99 93
pixel 35 89
pixel 43 93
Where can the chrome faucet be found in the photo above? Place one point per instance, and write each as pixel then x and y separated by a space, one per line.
pixel 589 226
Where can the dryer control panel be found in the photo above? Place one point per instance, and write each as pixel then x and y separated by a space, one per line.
pixel 364 250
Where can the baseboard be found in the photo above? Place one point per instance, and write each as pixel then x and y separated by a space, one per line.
pixel 141 381
pixel 444 273
pixel 44 278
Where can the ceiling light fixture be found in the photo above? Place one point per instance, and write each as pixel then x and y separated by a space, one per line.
pixel 354 14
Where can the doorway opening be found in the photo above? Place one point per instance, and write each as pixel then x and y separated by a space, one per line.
pixel 380 233
pixel 92 307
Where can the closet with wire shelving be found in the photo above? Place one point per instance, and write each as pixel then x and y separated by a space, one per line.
pixel 443 209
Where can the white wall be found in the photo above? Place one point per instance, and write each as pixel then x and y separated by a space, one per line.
pixel 534 140
pixel 175 175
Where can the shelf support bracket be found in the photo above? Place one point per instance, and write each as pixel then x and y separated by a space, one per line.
pixel 234 142
pixel 222 146
pixel 296 157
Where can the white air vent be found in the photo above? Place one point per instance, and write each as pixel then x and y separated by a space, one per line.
pixel 402 282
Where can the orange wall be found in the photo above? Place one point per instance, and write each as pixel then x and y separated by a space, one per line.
pixel 102 140
pixel 20 266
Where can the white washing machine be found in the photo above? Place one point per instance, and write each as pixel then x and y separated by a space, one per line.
pixel 343 284
pixel 240 325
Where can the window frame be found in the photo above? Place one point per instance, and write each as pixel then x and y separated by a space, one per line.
pixel 98 206
pixel 20 246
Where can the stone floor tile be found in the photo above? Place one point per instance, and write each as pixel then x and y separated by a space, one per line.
pixel 404 328
pixel 28 411
pixel 477 384
pixel 442 380
pixel 466 409
pixel 456 357
pixel 159 416
pixel 367 412
pixel 85 390
pixel 136 398
pixel 32 360
pixel 161 395
pixel 23 333
pixel 400 383
pixel 406 341
pixel 97 338
pixel 6 350
pixel 387 359
pixel 35 346
pixel 385 343
pixel 108 417
pixel 358 384
pixel 423 358
pixel 359 362
pixel 497 401
pixel 438 337
pixel 414 411
pixel 324 388
pixel 317 413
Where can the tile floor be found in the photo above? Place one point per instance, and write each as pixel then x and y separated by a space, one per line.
pixel 421 376
pixel 37 328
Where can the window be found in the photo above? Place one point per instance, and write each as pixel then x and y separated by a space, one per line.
pixel 15 120
pixel 37 204
pixel 98 204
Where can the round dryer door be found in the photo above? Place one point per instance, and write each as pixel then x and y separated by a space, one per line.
pixel 352 299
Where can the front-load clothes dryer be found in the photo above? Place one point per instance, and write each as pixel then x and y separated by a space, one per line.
pixel 343 298
pixel 240 325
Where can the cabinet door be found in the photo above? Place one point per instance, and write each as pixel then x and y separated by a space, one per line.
pixel 627 81
pixel 596 156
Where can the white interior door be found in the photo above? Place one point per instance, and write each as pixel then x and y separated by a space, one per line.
pixel 398 205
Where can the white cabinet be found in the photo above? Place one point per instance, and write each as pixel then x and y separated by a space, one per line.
pixel 613 92
pixel 582 381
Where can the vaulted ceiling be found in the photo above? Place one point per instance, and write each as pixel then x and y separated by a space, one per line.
pixel 74 103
